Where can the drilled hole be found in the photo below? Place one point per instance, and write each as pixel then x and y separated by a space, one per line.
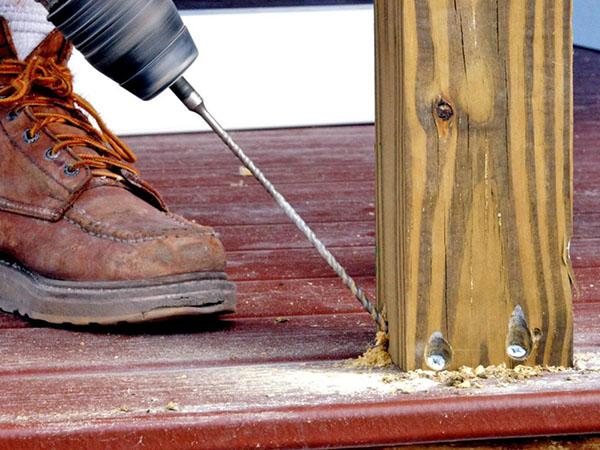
pixel 438 354
pixel 519 342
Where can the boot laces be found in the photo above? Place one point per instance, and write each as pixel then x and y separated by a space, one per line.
pixel 42 82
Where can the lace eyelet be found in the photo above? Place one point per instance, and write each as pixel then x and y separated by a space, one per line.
pixel 50 155
pixel 12 115
pixel 30 139
pixel 70 172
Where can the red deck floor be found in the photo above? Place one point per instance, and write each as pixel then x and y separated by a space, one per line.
pixel 255 381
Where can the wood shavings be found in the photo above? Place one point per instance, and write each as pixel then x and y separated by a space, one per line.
pixel 499 375
pixel 466 377
pixel 245 172
pixel 375 357
pixel 172 406
pixel 480 372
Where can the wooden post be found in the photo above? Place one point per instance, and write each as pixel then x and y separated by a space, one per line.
pixel 474 165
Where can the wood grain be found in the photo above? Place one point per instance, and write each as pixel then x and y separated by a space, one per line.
pixel 474 149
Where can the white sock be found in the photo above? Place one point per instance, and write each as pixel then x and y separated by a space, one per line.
pixel 28 24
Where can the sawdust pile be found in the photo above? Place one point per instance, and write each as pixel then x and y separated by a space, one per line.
pixel 468 377
pixel 377 356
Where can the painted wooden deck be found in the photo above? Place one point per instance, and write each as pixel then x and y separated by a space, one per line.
pixel 274 374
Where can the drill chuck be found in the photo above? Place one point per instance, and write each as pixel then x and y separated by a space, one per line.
pixel 141 44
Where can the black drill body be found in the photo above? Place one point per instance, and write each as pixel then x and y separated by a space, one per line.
pixel 141 44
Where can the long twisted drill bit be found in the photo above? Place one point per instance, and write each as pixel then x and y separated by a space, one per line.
pixel 194 102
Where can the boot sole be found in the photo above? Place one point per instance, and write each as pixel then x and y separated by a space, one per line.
pixel 112 302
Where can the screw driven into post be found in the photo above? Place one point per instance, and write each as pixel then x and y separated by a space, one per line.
pixel 438 353
pixel 519 341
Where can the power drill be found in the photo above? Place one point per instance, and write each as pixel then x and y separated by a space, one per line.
pixel 141 44
pixel 144 46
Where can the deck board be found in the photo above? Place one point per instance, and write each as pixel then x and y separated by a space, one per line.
pixel 314 404
pixel 275 373
pixel 194 344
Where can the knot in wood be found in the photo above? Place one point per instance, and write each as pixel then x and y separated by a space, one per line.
pixel 444 110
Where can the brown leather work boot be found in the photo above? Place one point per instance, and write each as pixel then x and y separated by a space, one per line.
pixel 82 238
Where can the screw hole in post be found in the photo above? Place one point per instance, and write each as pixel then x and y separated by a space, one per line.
pixel 438 354
pixel 519 341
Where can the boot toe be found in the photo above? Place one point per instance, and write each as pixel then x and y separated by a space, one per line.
pixel 113 236
pixel 190 252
